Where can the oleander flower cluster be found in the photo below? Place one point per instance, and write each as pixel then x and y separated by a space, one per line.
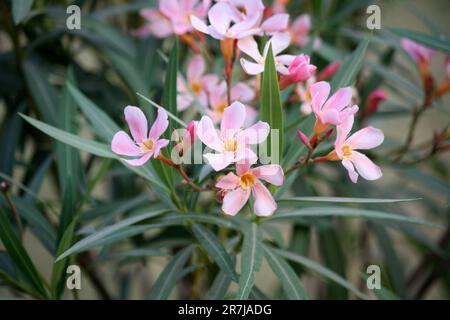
pixel 225 103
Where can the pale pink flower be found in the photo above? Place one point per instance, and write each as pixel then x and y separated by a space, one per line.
pixel 300 30
pixel 196 86
pixel 227 22
pixel 420 54
pixel 144 144
pixel 345 149
pixel 248 180
pixel 299 70
pixel 279 42
pixel 232 143
pixel 331 110
pixel 276 23
pixel 172 17
pixel 239 92
pixel 302 91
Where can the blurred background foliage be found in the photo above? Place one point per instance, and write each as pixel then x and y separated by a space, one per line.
pixel 62 195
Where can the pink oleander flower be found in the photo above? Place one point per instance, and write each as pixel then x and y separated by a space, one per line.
pixel 418 53
pixel 196 86
pixel 279 41
pixel 144 144
pixel 373 100
pixel 276 23
pixel 302 91
pixel 300 29
pixel 232 143
pixel 248 180
pixel 224 13
pixel 332 110
pixel 172 17
pixel 299 70
pixel 187 139
pixel 345 149
pixel 239 92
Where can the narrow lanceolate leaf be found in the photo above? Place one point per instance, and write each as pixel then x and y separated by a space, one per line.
pixel 20 10
pixel 93 147
pixel 348 212
pixel 321 270
pixel 44 94
pixel 17 252
pixel 97 237
pixel 271 110
pixel 341 200
pixel 289 281
pixel 346 75
pixel 170 275
pixel 169 100
pixel 215 249
pixel 219 287
pixel 252 254
pixel 440 44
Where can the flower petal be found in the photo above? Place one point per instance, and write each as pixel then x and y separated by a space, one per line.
pixel 366 138
pixel 137 122
pixel 220 17
pixel 319 93
pixel 196 68
pixel 251 68
pixel 235 200
pixel 219 161
pixel 264 204
pixel 244 155
pixel 140 161
pixel 122 144
pixel 160 125
pixel 365 167
pixel 276 23
pixel 255 134
pixel 161 143
pixel 207 134
pixel 342 132
pixel 198 24
pixel 351 170
pixel 232 120
pixel 272 173
pixel 339 100
pixel 228 182
pixel 242 92
pixel 280 41
pixel 249 46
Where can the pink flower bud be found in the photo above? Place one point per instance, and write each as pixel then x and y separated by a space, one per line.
pixel 303 138
pixel 374 99
pixel 299 70
pixel 329 71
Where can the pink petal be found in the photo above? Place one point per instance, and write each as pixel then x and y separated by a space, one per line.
pixel 276 23
pixel 219 161
pixel 161 143
pixel 122 144
pixel 365 167
pixel 219 17
pixel 244 165
pixel 242 92
pixel 331 116
pixel 280 41
pixel 252 116
pixel 228 182
pixel 351 170
pixel 264 204
pixel 342 132
pixel 235 200
pixel 366 138
pixel 272 173
pixel 232 120
pixel 198 24
pixel 319 92
pixel 244 155
pixel 255 134
pixel 240 29
pixel 251 68
pixel 169 7
pixel 301 25
pixel 160 125
pixel 207 134
pixel 285 59
pixel 249 46
pixel 137 122
pixel 140 161
pixel 339 100
pixel 196 68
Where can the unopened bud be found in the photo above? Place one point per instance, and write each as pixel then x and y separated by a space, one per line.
pixel 303 138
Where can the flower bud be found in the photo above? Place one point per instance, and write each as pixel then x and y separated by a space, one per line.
pixel 374 99
pixel 303 138
pixel 329 71
pixel 299 70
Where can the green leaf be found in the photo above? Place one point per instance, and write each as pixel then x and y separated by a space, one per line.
pixel 43 92
pixel 342 200
pixel 252 255
pixel 11 133
pixel 321 270
pixel 20 9
pixel 215 249
pixel 204 218
pixel 219 287
pixel 169 100
pixel 424 39
pixel 271 110
pixel 99 235
pixel 348 212
pixel 291 284
pixel 346 75
pixel 170 275
pixel 17 252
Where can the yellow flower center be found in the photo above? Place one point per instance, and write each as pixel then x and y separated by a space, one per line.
pixel 247 180
pixel 147 145
pixel 197 87
pixel 346 151
pixel 221 107
pixel 230 145
pixel 308 97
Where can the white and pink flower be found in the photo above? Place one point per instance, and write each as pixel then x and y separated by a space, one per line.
pixel 246 181
pixel 232 142
pixel 299 70
pixel 144 144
